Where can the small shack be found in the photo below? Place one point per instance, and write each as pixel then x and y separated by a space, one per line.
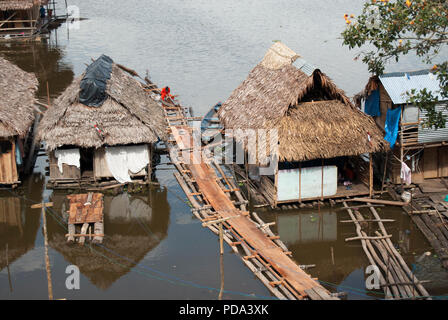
pixel 17 98
pixel 19 18
pixel 102 129
pixel 419 150
pixel 321 136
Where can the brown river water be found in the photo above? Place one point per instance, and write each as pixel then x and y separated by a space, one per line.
pixel 154 248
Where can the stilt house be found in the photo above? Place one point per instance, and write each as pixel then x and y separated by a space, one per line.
pixel 17 98
pixel 102 129
pixel 320 140
pixel 415 146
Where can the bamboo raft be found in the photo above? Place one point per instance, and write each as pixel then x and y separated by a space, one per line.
pixel 215 197
pixel 430 213
pixel 395 277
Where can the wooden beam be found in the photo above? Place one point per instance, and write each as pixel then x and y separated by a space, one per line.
pixel 386 202
pixel 42 205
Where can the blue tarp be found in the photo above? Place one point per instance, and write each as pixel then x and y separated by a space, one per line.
pixel 372 105
pixel 391 128
pixel 93 85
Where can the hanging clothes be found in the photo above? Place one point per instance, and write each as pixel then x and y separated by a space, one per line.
pixel 372 104
pixel 405 174
pixel 126 159
pixel 391 127
pixel 70 157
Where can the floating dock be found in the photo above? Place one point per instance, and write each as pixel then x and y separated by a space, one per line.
pixel 214 196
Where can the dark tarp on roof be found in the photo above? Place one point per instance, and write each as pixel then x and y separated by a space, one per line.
pixel 93 85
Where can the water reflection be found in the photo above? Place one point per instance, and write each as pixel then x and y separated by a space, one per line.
pixel 45 60
pixel 18 223
pixel 133 226
pixel 317 237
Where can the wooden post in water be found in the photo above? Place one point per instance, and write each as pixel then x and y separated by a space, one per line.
pixel 221 237
pixel 47 259
pixel 221 265
pixel 7 267
pixel 370 175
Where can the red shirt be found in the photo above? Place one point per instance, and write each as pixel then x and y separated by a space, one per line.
pixel 165 93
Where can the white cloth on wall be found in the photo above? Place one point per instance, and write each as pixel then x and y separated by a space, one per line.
pixel 70 157
pixel 125 159
pixel 138 158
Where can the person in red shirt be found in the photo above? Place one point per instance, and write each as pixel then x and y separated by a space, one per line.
pixel 166 93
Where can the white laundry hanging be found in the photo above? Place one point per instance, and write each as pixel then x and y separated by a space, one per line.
pixel 405 173
pixel 69 157
pixel 125 159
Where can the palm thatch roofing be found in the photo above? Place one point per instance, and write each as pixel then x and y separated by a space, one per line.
pixel 17 98
pixel 20 4
pixel 313 117
pixel 127 116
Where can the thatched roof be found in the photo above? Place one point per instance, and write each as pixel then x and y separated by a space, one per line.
pixel 20 4
pixel 275 95
pixel 128 116
pixel 326 129
pixel 17 89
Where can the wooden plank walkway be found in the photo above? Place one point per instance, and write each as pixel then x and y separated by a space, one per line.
pixel 210 192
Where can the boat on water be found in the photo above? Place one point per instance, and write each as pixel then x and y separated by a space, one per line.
pixel 210 124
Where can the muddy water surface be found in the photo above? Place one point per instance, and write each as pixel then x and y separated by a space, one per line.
pixel 154 248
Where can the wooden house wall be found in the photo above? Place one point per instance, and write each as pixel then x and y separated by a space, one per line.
pixel 433 163
pixel 68 172
pixel 8 166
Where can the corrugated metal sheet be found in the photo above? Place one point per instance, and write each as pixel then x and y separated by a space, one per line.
pixel 426 135
pixel 303 65
pixel 398 83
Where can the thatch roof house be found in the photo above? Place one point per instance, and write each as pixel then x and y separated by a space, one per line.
pixel 90 136
pixel 17 98
pixel 313 118
pixel 19 18
pixel 386 98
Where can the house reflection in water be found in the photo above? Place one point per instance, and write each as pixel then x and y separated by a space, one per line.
pixel 18 222
pixel 316 237
pixel 308 227
pixel 133 226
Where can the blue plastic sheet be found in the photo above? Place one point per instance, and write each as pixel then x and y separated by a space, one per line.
pixel 391 128
pixel 372 105
pixel 93 85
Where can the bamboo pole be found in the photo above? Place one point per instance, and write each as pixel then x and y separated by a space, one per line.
pixel 7 267
pixel 395 252
pixel 47 259
pixel 367 252
pixel 370 175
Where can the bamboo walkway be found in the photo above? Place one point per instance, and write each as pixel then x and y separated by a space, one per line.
pixel 395 277
pixel 214 196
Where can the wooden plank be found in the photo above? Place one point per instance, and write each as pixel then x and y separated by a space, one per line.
pixel 379 201
pixel 430 163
